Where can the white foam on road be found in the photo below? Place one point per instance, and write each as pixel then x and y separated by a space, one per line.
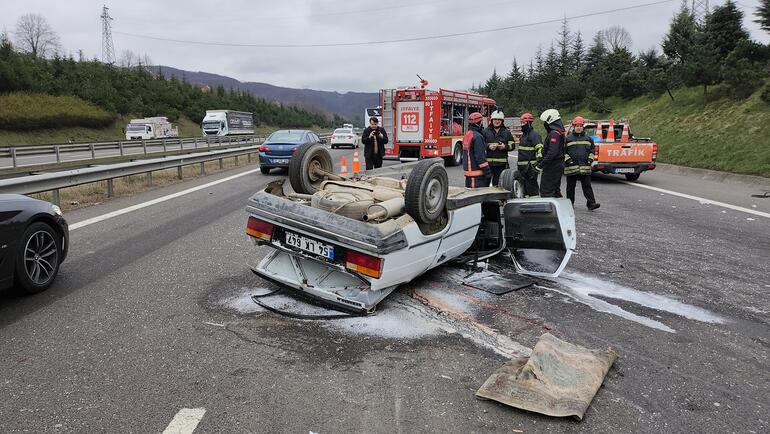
pixel 185 421
pixel 585 289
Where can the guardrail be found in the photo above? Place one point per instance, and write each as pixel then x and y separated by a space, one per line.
pixel 123 148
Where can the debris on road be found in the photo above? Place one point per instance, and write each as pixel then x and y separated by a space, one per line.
pixel 557 379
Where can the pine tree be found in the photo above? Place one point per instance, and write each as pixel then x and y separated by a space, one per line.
pixel 564 43
pixel 578 51
pixel 763 15
pixel 724 28
pixel 680 39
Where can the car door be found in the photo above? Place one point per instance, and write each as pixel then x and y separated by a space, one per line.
pixel 9 235
pixel 540 234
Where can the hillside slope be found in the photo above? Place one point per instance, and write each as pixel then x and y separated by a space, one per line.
pixel 713 133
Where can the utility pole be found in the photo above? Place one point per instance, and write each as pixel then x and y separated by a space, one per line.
pixel 700 8
pixel 108 50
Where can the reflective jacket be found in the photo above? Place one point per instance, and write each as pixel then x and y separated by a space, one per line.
pixel 579 154
pixel 474 155
pixel 504 136
pixel 530 147
pixel 553 148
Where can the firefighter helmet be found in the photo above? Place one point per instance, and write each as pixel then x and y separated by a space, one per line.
pixel 475 118
pixel 527 117
pixel 498 114
pixel 578 121
pixel 550 116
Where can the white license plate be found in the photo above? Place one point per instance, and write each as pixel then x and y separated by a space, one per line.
pixel 279 160
pixel 308 245
pixel 625 170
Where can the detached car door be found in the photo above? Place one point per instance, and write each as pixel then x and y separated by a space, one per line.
pixel 540 234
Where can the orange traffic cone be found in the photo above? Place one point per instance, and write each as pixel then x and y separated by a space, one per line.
pixel 611 131
pixel 599 131
pixel 344 166
pixel 356 163
pixel 624 137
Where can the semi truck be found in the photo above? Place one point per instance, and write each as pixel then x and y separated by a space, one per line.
pixel 227 123
pixel 150 128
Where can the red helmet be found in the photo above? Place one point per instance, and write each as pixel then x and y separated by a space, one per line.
pixel 475 118
pixel 527 117
pixel 578 121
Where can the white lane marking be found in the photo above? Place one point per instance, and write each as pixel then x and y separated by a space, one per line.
pixel 185 421
pixel 702 200
pixel 138 206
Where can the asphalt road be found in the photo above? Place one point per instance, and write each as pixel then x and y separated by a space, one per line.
pixel 151 315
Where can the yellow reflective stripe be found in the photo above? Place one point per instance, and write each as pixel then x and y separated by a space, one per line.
pixel 590 156
pixel 567 157
pixel 524 163
pixel 526 148
pixel 539 145
pixel 579 142
pixel 497 160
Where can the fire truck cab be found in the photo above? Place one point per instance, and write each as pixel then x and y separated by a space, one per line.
pixel 424 123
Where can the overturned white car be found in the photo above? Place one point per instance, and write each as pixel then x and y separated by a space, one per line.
pixel 352 241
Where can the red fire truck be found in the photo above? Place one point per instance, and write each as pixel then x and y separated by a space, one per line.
pixel 423 123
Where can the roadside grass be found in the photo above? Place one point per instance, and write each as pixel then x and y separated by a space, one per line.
pixel 27 111
pixel 95 193
pixel 714 132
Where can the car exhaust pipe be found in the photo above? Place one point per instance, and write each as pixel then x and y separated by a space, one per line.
pixel 384 210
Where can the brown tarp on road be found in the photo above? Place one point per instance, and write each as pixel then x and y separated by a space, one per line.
pixel 557 379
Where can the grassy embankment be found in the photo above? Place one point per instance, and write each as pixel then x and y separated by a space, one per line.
pixel 716 133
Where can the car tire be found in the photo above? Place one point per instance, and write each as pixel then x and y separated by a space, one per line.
pixel 36 273
pixel 510 179
pixel 457 155
pixel 426 191
pixel 632 176
pixel 264 170
pixel 301 175
pixel 334 146
pixel 349 203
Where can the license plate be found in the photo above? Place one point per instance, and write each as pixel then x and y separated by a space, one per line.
pixel 625 170
pixel 309 245
pixel 279 160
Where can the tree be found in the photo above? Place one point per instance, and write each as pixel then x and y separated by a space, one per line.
pixel 680 39
pixel 578 51
pixel 745 68
pixel 35 36
pixel 617 38
pixel 724 28
pixel 564 43
pixel 763 15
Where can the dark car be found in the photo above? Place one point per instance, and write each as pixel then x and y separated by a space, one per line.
pixel 277 150
pixel 33 242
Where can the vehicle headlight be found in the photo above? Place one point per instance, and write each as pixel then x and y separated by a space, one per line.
pixel 56 210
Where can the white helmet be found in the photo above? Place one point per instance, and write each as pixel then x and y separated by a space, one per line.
pixel 498 114
pixel 550 116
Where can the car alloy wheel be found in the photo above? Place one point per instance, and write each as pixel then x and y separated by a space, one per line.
pixel 41 255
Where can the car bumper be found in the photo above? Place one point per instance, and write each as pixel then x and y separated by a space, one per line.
pixel 621 168
pixel 266 160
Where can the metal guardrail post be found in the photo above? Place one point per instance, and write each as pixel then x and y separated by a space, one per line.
pixel 120 146
pixel 13 156
pixel 248 158
pixel 236 160
pixel 58 153
pixel 221 164
pixel 93 151
pixel 144 146
pixel 55 198
pixel 164 145
pixel 179 172
pixel 149 179
pixel 110 189
pixel 203 168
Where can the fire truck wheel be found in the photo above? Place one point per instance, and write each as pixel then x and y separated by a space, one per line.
pixel 510 180
pixel 632 176
pixel 426 191
pixel 457 155
pixel 305 165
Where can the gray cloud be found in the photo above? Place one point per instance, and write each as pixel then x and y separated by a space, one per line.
pixel 451 63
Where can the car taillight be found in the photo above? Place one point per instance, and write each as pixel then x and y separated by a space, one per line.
pixel 263 148
pixel 364 264
pixel 654 151
pixel 259 229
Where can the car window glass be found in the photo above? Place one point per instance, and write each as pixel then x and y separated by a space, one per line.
pixel 286 136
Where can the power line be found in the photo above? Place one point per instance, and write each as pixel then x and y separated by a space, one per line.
pixel 393 41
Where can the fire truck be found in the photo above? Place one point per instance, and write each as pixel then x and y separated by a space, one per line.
pixel 424 123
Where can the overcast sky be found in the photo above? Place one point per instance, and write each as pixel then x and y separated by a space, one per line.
pixel 454 62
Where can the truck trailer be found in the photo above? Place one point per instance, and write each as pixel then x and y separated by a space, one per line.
pixel 227 123
pixel 150 128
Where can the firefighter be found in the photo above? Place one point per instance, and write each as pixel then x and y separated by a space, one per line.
pixel 579 156
pixel 552 163
pixel 475 166
pixel 374 139
pixel 499 142
pixel 530 151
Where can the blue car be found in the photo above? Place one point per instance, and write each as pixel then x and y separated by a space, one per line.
pixel 277 150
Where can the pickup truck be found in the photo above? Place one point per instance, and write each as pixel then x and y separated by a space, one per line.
pixel 620 152
pixel 351 241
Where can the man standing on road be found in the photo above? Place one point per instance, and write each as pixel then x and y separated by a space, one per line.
pixel 374 139
pixel 552 163
pixel 499 142
pixel 530 151
pixel 475 165
pixel 577 163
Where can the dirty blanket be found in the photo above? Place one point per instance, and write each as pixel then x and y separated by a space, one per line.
pixel 557 379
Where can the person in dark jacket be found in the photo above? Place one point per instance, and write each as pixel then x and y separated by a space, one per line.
pixel 530 151
pixel 374 139
pixel 552 163
pixel 578 157
pixel 499 142
pixel 475 166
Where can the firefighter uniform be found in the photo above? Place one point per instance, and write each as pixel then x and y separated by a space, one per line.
pixel 498 158
pixel 530 151
pixel 552 163
pixel 578 157
pixel 475 166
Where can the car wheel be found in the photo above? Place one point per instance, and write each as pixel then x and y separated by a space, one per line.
pixel 264 170
pixel 632 176
pixel 510 180
pixel 334 146
pixel 426 191
pixel 37 263
pixel 305 165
